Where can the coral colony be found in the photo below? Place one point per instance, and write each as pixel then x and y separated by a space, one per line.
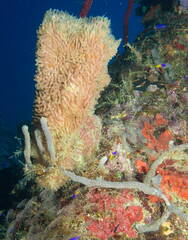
pixel 122 173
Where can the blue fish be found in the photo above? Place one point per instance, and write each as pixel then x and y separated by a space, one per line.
pixel 75 238
pixel 73 196
pixel 163 65
pixel 114 153
pixel 160 26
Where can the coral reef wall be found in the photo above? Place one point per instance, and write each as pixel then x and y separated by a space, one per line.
pixel 135 185
pixel 72 56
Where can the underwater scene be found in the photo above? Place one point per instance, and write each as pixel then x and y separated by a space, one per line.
pixel 94 134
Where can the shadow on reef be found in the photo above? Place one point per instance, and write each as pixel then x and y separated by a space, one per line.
pixel 12 187
pixel 8 178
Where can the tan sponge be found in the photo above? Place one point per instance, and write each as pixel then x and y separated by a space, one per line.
pixel 71 58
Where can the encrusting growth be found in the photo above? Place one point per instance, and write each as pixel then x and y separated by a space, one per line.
pixel 72 57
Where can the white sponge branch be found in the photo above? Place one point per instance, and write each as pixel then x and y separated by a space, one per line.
pixel 27 148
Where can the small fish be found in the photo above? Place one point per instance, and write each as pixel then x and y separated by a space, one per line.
pixel 162 65
pixel 111 157
pixel 73 196
pixel 120 115
pixel 75 238
pixel 160 26
pixel 76 193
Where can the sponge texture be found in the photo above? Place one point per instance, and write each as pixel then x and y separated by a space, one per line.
pixel 72 57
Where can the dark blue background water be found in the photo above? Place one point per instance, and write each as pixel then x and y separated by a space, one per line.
pixel 19 22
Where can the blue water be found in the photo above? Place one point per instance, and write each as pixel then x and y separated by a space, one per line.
pixel 19 21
